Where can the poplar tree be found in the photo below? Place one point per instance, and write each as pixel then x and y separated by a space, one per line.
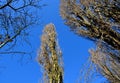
pixel 99 21
pixel 50 56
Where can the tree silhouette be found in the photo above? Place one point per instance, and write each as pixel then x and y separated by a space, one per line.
pixel 16 17
pixel 99 21
pixel 50 57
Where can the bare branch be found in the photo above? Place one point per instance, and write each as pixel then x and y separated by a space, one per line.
pixel 15 19
pixel 14 52
pixel 106 63
pixel 95 19
pixel 7 4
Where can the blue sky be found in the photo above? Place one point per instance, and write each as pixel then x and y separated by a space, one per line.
pixel 74 48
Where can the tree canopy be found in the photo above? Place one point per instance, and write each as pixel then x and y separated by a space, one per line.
pixel 99 21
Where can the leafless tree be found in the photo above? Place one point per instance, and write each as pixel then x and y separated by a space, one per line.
pixel 106 64
pixel 16 17
pixel 50 57
pixel 99 21
pixel 101 61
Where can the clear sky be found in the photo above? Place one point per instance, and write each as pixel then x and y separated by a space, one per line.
pixel 74 48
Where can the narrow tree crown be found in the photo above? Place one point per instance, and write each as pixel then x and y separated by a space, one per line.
pixel 50 56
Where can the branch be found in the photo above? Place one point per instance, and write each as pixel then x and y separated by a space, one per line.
pixel 8 40
pixel 23 6
pixel 7 4
pixel 14 52
pixel 19 7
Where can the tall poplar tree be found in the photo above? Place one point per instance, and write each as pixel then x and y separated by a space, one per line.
pixel 50 56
